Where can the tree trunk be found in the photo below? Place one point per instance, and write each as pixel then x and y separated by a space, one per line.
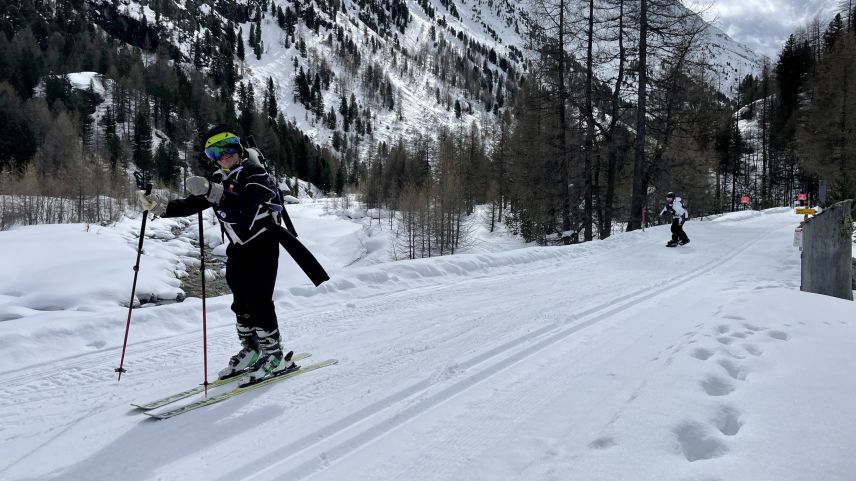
pixel 564 174
pixel 843 126
pixel 611 168
pixel 638 193
pixel 612 162
pixel 589 141
pixel 764 177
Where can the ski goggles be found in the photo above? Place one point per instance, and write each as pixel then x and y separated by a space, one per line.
pixel 215 148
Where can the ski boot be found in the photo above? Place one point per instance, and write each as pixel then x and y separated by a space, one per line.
pixel 271 363
pixel 671 244
pixel 684 242
pixel 246 357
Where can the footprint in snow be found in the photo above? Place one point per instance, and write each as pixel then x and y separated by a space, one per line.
pixel 717 386
pixel 753 327
pixel 696 443
pixel 734 371
pixel 733 355
pixel 780 335
pixel 701 354
pixel 728 421
pixel 604 442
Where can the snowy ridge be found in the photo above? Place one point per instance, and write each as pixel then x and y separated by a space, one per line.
pixel 731 61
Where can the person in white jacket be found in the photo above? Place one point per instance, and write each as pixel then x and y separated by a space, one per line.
pixel 675 207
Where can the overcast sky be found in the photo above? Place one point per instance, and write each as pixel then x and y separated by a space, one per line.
pixel 764 25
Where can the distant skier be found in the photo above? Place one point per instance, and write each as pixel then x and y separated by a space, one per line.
pixel 243 197
pixel 675 208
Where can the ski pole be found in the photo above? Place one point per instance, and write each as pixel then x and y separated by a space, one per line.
pixel 204 320
pixel 147 186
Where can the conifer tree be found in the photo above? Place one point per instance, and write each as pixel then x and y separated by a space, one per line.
pixel 833 31
pixel 340 178
pixel 167 163
pixel 301 88
pixel 259 45
pixel 58 88
pixel 240 49
pixel 111 139
pixel 353 109
pixel 17 138
pixel 270 95
pixel 142 143
pixel 331 119
pixel 86 108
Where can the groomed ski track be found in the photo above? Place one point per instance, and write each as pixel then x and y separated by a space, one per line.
pixel 431 377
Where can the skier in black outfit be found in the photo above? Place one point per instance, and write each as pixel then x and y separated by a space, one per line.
pixel 243 197
pixel 675 208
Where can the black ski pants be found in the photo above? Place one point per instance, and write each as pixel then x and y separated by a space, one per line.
pixel 251 275
pixel 678 233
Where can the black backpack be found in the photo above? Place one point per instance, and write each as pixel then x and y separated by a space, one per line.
pixel 277 205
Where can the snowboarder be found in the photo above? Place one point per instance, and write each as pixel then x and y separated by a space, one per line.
pixel 675 208
pixel 243 197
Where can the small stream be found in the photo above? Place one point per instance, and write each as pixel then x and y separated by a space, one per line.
pixel 215 283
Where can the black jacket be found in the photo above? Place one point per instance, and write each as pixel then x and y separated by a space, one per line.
pixel 244 209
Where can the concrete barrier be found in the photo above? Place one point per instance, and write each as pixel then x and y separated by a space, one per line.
pixel 853 271
pixel 827 254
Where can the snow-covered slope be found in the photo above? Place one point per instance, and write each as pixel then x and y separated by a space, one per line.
pixel 407 73
pixel 609 360
pixel 498 26
pixel 730 61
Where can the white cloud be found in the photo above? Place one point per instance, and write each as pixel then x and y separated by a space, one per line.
pixel 763 25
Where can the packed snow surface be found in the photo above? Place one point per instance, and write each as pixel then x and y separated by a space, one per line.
pixel 611 360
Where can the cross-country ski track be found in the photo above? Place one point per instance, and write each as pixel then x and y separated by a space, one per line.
pixel 617 359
